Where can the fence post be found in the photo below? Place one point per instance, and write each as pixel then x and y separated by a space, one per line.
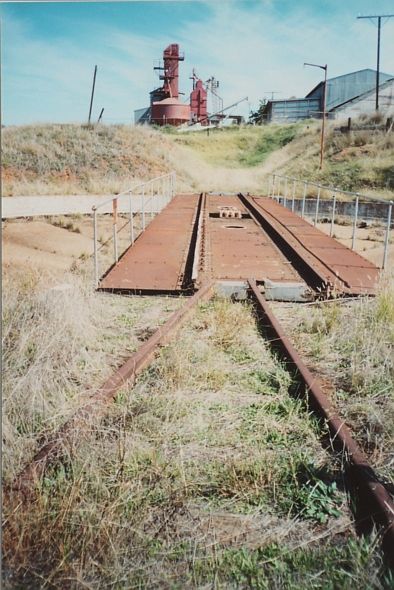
pixel 269 185
pixel 355 222
pixel 151 200
pixel 279 182
pixel 285 191
pixel 292 200
pixel 387 237
pixel 131 221
pixel 96 267
pixel 317 205
pixel 143 208
pixel 115 227
pixel 303 201
pixel 334 200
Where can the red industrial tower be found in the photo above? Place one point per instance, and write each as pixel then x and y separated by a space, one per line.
pixel 166 108
pixel 198 103
pixel 171 57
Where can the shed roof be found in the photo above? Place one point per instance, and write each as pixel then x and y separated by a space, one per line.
pixel 341 89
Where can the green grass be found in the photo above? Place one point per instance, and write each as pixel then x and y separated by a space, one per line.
pixel 272 139
pixel 278 566
pixel 239 146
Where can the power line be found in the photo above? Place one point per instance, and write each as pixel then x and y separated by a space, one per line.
pixel 379 17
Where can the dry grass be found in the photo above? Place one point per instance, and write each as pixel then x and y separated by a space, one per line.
pixel 357 161
pixel 59 343
pixel 205 474
pixel 353 345
pixel 70 159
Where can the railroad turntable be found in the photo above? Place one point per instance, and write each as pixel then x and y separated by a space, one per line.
pixel 230 238
pixel 207 244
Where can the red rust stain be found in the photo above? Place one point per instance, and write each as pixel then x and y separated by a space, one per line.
pixel 156 261
pixel 240 248
pixel 347 270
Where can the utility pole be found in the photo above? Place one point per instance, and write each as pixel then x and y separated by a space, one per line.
pixel 272 92
pixel 379 17
pixel 324 109
pixel 92 95
pixel 100 115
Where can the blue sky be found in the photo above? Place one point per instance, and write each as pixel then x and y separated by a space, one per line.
pixel 49 51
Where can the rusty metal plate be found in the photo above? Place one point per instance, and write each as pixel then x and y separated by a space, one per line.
pixel 156 261
pixel 239 248
pixel 323 254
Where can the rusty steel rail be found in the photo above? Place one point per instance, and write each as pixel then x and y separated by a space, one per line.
pixel 372 494
pixel 288 200
pixel 328 265
pixel 69 435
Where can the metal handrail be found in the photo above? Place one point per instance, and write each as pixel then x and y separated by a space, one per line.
pixel 132 189
pixel 330 188
pixel 274 192
pixel 166 187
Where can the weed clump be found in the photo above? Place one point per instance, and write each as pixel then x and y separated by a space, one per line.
pixel 353 345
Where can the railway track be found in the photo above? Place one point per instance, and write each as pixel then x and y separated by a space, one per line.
pixel 221 251
pixel 374 504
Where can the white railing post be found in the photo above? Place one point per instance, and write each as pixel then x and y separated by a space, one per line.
pixel 355 222
pixel 334 200
pixel 151 200
pixel 317 205
pixel 293 198
pixel 95 239
pixel 131 220
pixel 115 227
pixel 303 201
pixel 387 236
pixel 143 207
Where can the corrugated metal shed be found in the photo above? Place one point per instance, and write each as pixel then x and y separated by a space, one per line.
pixel 142 116
pixel 292 109
pixel 343 88
pixel 340 90
pixel 365 103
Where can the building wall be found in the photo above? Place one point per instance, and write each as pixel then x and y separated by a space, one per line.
pixel 293 110
pixel 366 103
pixel 344 88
